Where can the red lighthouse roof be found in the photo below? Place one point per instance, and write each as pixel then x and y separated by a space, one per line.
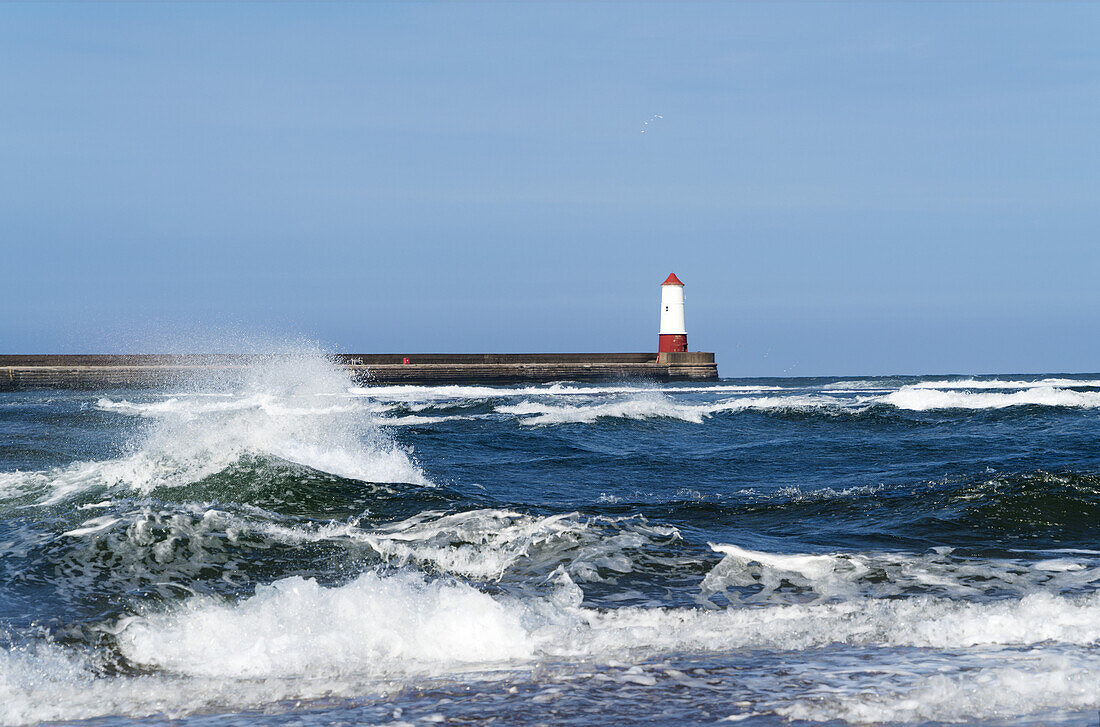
pixel 672 280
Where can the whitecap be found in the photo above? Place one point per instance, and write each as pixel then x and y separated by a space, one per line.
pixel 295 409
pixel 923 399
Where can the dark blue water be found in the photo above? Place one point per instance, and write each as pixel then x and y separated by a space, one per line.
pixel 283 547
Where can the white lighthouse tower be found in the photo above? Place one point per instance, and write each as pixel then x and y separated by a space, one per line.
pixel 673 337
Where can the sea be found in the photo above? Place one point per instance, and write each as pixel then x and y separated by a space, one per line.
pixel 281 545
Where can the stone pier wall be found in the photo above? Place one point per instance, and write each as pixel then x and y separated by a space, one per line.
pixel 99 371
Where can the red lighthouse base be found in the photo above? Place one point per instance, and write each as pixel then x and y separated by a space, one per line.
pixel 672 343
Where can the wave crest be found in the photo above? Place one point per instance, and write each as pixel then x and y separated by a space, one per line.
pixel 294 409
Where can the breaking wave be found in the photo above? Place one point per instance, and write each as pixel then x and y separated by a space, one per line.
pixel 330 396
pixel 534 413
pixel 297 638
pixel 564 404
pixel 1041 686
pixel 416 393
pixel 290 408
pixel 403 623
pixel 923 398
pixel 1006 384
pixel 759 577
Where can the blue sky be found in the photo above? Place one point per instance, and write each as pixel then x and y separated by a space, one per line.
pixel 844 188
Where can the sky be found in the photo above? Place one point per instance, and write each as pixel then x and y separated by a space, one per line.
pixel 844 188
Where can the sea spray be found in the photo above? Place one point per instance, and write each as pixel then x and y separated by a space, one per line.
pixel 291 407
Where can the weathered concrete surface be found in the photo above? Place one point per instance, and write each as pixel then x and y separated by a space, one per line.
pixel 97 371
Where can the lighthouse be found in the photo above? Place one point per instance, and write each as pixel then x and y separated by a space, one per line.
pixel 673 337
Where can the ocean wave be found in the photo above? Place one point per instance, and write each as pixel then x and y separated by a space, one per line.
pixel 414 420
pixel 1050 683
pixel 558 404
pixel 291 410
pixel 638 407
pixel 762 577
pixel 44 682
pixel 427 393
pixel 861 385
pixel 481 544
pixel 401 623
pixel 267 511
pixel 1005 383
pixel 534 413
pixel 146 550
pixel 374 625
pixel 486 544
pixel 297 638
pixel 191 407
pixel 1034 509
pixel 916 398
pixel 564 404
pixel 172 460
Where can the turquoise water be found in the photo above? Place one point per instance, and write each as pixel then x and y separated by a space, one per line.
pixel 285 547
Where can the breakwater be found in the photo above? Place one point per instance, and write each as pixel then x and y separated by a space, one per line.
pixel 105 371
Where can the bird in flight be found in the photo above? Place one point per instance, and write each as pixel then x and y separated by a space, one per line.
pixel 652 118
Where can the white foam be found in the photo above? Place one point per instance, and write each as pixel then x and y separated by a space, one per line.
pixel 476 544
pixel 486 543
pixel 295 627
pixel 1049 683
pixel 861 385
pixel 918 622
pixel 923 399
pixel 1005 383
pixel 410 393
pixel 535 413
pixel 402 624
pixel 191 407
pixel 296 638
pixel 775 578
pixel 292 408
pixel 559 404
pixel 800 402
pixel 413 420
pixel 572 404
pixel 93 525
pixel 809 567
pixel 46 683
